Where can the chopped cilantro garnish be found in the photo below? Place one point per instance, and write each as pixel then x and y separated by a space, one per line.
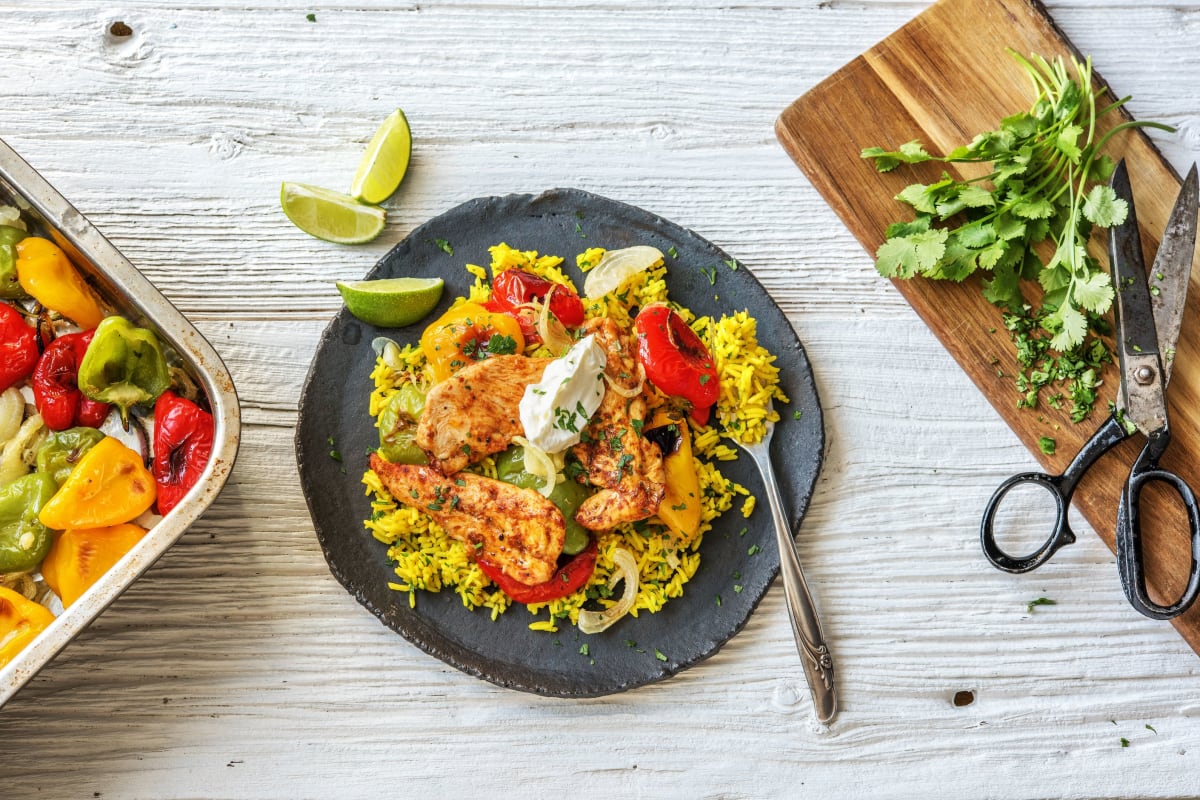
pixel 672 252
pixel 658 654
pixel 732 264
pixel 797 414
pixel 583 649
pixel 444 246
pixel 754 549
pixel 1041 601
pixel 311 17
pixel 501 345
pixel 335 455
pixel 1047 445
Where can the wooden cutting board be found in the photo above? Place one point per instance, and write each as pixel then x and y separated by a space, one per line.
pixel 942 78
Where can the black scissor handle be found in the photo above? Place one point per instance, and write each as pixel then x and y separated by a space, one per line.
pixel 1129 531
pixel 1060 536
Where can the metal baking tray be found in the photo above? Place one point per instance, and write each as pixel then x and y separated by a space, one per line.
pixel 127 291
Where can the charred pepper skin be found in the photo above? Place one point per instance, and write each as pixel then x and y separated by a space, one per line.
pixel 183 442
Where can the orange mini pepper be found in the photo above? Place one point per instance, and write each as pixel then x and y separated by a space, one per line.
pixel 79 557
pixel 108 486
pixel 48 275
pixel 21 620
pixel 468 333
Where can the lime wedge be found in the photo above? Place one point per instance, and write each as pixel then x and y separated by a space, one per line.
pixel 385 162
pixel 391 302
pixel 332 216
pixel 617 266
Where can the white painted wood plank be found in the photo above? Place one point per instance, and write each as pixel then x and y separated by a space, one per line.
pixel 239 668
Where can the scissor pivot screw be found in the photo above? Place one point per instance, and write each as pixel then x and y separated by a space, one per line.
pixel 1144 375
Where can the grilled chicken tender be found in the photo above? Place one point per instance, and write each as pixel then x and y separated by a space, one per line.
pixel 473 413
pixel 627 468
pixel 517 530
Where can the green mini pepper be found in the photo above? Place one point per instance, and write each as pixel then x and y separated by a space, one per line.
pixel 568 496
pixel 61 451
pixel 24 540
pixel 398 426
pixel 10 287
pixel 124 366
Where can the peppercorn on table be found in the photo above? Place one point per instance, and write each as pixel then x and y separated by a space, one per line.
pixel 239 667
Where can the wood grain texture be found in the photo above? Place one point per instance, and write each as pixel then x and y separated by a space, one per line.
pixel 941 80
pixel 238 668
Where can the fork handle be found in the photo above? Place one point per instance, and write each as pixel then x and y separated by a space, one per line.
pixel 806 626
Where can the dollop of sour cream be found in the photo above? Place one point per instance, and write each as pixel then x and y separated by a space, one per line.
pixel 556 410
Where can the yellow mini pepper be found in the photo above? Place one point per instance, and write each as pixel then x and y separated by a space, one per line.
pixel 108 486
pixel 79 557
pixel 468 333
pixel 681 504
pixel 48 275
pixel 21 620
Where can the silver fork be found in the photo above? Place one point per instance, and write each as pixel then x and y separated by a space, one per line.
pixel 806 626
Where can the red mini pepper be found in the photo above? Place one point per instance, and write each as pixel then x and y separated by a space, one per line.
pixel 183 442
pixel 676 360
pixel 570 577
pixel 18 347
pixel 515 288
pixel 56 389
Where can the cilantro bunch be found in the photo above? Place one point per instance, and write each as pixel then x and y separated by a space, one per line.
pixel 1047 182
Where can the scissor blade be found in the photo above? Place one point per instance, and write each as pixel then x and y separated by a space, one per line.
pixel 1172 270
pixel 1143 397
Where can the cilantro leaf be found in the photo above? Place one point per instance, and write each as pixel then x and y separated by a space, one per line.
pixel 1102 207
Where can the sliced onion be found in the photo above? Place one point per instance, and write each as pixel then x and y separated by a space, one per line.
pixel 12 410
pixel 616 266
pixel 672 559
pixel 625 569
pixel 388 350
pixel 135 438
pixel 538 462
pixel 553 334
pixel 20 452
pixel 621 390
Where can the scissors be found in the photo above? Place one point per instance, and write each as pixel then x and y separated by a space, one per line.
pixel 1147 327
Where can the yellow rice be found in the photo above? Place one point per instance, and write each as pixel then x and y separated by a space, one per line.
pixel 427 559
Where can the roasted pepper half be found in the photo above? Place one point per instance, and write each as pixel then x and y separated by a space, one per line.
pixel 21 620
pixel 469 333
pixel 676 360
pixel 680 507
pixel 398 426
pixel 18 347
pixel 569 578
pixel 124 365
pixel 108 486
pixel 61 451
pixel 80 557
pixel 24 539
pixel 49 276
pixel 56 388
pixel 183 442
pixel 10 284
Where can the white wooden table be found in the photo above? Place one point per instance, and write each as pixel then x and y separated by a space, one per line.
pixel 237 667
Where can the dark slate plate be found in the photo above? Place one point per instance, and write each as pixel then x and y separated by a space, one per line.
pixel 690 628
